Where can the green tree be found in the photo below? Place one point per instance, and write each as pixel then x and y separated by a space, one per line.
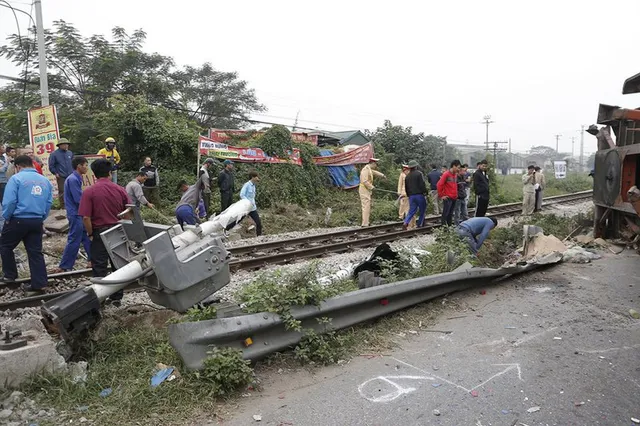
pixel 86 72
pixel 142 129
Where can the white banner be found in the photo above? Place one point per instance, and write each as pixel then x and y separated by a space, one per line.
pixel 560 168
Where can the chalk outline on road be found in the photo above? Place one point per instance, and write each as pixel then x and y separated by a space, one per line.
pixel 400 390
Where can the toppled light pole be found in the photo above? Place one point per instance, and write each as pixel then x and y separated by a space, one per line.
pixel 178 269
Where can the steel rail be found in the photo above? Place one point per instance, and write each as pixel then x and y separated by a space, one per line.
pixel 364 238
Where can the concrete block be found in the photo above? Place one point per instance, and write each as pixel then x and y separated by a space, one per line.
pixel 57 221
pixel 18 365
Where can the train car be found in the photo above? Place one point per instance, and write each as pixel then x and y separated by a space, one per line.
pixel 617 168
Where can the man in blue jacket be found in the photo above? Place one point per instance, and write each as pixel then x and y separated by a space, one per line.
pixel 60 166
pixel 475 230
pixel 77 233
pixel 26 204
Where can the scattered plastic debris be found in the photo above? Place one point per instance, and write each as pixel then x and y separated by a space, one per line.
pixel 257 417
pixel 474 393
pixel 601 357
pixel 82 408
pixel 506 411
pixel 557 338
pixel 578 404
pixel 435 368
pixel 436 412
pixel 633 419
pixel 634 314
pixel 510 327
pixel 533 409
pixel 161 376
pixel 436 385
pixel 483 292
pixel 106 392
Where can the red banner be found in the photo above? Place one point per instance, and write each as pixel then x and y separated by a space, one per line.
pixel 360 155
pixel 223 135
pixel 212 148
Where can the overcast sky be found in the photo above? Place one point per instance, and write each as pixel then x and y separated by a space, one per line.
pixel 538 68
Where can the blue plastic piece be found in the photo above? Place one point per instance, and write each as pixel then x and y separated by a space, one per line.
pixel 106 392
pixel 161 376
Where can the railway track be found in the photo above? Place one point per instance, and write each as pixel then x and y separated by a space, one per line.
pixel 286 251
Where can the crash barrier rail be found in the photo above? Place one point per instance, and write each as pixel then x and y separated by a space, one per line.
pixel 363 237
pixel 259 335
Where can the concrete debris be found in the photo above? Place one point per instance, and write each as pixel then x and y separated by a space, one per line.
pixel 257 417
pixel 436 412
pixel 57 221
pixel 533 409
pixel 537 244
pixel 577 254
pixel 78 371
pixel 584 239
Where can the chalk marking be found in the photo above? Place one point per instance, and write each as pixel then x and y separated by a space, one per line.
pixel 602 351
pixel 533 336
pixel 506 370
pixel 400 390
pixel 395 394
pixel 432 375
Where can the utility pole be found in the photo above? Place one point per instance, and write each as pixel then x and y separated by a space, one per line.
pixel 581 147
pixel 557 139
pixel 42 56
pixel 486 122
pixel 573 141
pixel 295 124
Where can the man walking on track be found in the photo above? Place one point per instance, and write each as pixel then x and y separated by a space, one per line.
pixel 77 234
pixel 433 177
pixel 60 166
pixel 529 191
pixel 448 191
pixel 111 154
pixel 226 184
pixel 417 192
pixel 366 188
pixel 403 207
pixel 248 192
pixel 481 187
pixel 100 206
pixel 26 204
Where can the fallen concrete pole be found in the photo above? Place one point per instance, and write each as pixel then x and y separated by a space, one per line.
pixel 259 335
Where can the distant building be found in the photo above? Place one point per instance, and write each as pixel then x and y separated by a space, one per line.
pixel 349 137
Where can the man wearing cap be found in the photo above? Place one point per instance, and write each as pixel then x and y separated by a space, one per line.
pixel 417 192
pixel 111 153
pixel 226 184
pixel 60 166
pixel 403 207
pixel 205 181
pixel 366 187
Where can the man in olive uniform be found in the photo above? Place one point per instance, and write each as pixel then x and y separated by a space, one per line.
pixel 366 188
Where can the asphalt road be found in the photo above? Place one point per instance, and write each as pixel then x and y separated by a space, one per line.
pixel 556 347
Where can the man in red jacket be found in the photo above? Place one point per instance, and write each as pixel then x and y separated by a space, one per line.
pixel 448 191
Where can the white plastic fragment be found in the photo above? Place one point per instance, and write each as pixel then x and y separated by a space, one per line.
pixel 533 409
pixel 257 417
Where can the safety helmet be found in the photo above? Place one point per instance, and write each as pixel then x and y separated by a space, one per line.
pixel 109 140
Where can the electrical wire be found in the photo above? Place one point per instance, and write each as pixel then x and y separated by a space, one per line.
pixel 24 52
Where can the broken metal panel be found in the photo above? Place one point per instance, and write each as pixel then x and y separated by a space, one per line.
pixel 631 85
pixel 267 333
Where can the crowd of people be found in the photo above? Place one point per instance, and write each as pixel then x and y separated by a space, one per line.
pixel 449 190
pixel 27 198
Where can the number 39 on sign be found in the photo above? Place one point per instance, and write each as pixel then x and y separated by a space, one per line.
pixel 42 148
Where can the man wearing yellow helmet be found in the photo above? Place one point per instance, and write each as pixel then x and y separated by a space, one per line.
pixel 111 153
